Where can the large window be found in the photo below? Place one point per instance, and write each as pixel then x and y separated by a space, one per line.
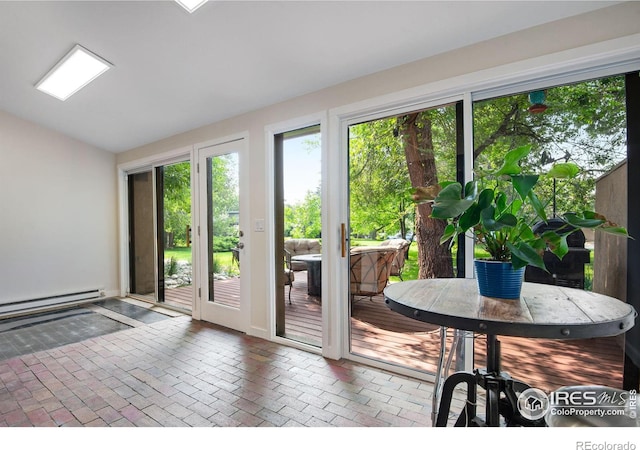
pixel 584 123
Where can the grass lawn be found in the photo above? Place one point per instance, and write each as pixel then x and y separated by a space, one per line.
pixel 223 259
pixel 179 253
pixel 410 270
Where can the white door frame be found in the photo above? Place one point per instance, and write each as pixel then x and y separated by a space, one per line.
pixel 330 346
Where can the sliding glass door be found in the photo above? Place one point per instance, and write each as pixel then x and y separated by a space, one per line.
pixel 297 234
pixel 391 239
pixel 173 184
pixel 584 123
pixel 160 261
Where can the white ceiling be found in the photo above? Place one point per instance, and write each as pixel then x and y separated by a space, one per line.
pixel 174 71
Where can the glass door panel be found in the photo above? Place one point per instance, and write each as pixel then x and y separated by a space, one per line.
pixel 142 260
pixel 583 123
pixel 222 238
pixel 298 224
pixel 392 239
pixel 174 227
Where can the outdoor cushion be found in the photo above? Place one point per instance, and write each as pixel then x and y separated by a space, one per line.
pixel 302 247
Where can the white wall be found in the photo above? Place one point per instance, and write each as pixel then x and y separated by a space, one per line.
pixel 556 37
pixel 58 216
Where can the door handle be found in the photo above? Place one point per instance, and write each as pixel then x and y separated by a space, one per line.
pixel 240 245
pixel 343 232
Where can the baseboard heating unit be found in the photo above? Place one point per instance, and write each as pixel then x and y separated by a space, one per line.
pixel 45 303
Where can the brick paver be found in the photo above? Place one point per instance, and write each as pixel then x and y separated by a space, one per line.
pixel 185 373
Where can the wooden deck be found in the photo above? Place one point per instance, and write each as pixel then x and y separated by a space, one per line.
pixel 181 297
pixel 379 333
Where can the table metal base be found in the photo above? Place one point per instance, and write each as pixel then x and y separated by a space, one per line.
pixel 502 393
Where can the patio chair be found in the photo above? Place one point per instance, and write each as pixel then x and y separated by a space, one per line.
pixel 302 247
pixel 370 268
pixel 402 247
pixel 289 275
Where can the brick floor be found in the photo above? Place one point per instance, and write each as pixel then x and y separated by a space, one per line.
pixel 184 373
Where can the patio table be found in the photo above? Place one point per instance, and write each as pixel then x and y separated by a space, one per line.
pixel 542 311
pixel 314 273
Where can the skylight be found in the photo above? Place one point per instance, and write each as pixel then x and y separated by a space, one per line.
pixel 77 69
pixel 191 5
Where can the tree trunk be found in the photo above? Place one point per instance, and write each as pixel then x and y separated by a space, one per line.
pixel 169 239
pixel 434 260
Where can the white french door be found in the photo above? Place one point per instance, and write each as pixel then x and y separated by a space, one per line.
pixel 222 240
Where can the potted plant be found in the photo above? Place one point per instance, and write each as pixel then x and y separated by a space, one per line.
pixel 501 218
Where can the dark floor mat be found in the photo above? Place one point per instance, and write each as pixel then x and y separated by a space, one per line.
pixel 135 312
pixel 29 334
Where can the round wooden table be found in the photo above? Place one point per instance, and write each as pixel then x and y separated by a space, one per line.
pixel 543 311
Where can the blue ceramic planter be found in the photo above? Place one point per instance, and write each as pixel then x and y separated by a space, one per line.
pixel 499 279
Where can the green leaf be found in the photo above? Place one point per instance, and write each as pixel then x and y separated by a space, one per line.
pixel 470 218
pixel 523 184
pixel 448 203
pixel 525 254
pixel 607 226
pixel 557 243
pixel 592 215
pixel 510 165
pixel 487 218
pixel 538 207
pixel 485 198
pixel 501 201
pixel 515 206
pixel 564 170
pixel 581 221
pixel 508 220
pixel 517 262
pixel 489 221
pixel 444 184
pixel 526 234
pixel 470 189
pixel 448 233
pixel 618 231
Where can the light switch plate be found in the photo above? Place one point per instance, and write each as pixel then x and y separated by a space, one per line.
pixel 259 225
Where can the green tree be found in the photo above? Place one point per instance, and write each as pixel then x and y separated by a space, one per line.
pixel 303 219
pixel 387 158
pixel 177 202
pixel 584 123
pixel 224 200
pixel 378 179
pixel 429 140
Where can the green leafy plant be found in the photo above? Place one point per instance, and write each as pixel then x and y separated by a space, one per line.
pixel 501 217
pixel 171 267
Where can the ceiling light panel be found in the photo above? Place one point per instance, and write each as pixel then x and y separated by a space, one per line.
pixel 77 69
pixel 191 5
